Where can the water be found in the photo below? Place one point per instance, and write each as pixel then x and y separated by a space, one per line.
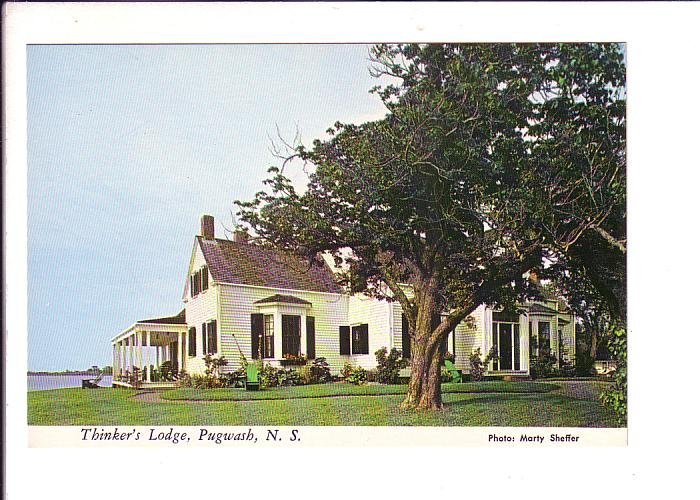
pixel 45 382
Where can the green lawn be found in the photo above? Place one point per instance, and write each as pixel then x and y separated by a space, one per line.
pixel 470 404
pixel 342 389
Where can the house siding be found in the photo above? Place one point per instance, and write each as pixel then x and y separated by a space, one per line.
pixel 199 309
pixel 377 315
pixel 469 337
pixel 237 304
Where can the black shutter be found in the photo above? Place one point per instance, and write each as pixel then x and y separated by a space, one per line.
pixel 364 339
pixel 344 340
pixel 310 337
pixel 205 278
pixel 192 342
pixel 405 338
pixel 213 344
pixel 205 349
pixel 256 332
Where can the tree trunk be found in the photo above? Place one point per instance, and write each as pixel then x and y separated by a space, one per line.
pixel 424 385
pixel 426 359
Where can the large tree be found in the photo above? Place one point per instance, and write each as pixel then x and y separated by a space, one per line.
pixel 438 202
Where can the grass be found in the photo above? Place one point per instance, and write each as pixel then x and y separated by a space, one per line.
pixel 342 389
pixel 487 404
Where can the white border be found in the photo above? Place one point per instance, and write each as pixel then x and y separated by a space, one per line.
pixel 662 53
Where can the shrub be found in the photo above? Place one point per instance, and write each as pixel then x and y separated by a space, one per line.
pixel 347 370
pixel 184 379
pixel 372 375
pixel 288 377
pixel 357 376
pixel 388 367
pixel 445 375
pixel 543 365
pixel 213 365
pixel 615 397
pixel 268 376
pixel 167 371
pixel 279 377
pixel 477 367
pixel 320 371
pixel 305 375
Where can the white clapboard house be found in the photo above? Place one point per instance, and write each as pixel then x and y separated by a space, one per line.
pixel 241 298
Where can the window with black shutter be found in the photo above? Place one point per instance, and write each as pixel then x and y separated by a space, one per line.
pixel 360 339
pixel 268 347
pixel 310 337
pixel 205 278
pixel 204 339
pixel 256 332
pixel 405 338
pixel 212 347
pixel 344 340
pixel 192 342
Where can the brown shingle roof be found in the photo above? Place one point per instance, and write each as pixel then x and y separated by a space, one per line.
pixel 288 299
pixel 178 319
pixel 539 308
pixel 248 264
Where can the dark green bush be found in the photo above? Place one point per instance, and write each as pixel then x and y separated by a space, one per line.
pixel 388 366
pixel 320 371
pixel 543 365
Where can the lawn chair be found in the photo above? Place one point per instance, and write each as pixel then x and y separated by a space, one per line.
pixel 252 382
pixel 453 371
pixel 92 383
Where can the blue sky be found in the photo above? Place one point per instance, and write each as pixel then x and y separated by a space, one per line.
pixel 129 144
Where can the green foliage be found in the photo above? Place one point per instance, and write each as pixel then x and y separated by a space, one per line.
pixel 615 397
pixel 320 371
pixel 135 377
pixel 388 366
pixel 357 376
pixel 445 375
pixel 491 157
pixel 213 365
pixel 279 377
pixel 347 370
pixel 477 366
pixel 167 371
pixel 543 365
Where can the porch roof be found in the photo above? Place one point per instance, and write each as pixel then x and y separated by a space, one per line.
pixel 178 319
pixel 285 299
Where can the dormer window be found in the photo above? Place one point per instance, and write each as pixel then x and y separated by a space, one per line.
pixel 199 281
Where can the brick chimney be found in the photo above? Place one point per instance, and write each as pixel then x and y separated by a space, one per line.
pixel 207 227
pixel 240 236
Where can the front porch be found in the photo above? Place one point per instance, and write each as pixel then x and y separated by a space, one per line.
pixel 150 353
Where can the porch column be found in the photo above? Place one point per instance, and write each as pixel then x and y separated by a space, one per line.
pixel 277 325
pixel 114 359
pixel 302 340
pixel 148 356
pixel 139 353
pixel 131 353
pixel 122 349
pixel 158 362
pixel 180 365
pixel 186 350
